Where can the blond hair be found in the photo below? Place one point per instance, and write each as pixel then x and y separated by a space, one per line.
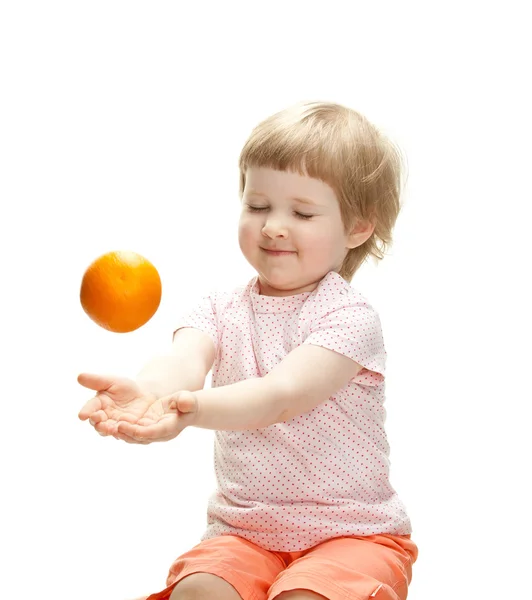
pixel 341 147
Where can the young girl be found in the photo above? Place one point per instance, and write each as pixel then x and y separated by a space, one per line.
pixel 304 508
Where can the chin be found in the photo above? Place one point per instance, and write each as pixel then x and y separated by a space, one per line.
pixel 287 287
pixel 275 283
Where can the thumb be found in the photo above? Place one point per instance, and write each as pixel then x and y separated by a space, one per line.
pixel 185 402
pixel 96 382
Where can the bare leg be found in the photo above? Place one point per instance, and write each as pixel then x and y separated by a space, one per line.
pixel 204 585
pixel 300 595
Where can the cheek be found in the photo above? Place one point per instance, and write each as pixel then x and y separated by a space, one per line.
pixel 246 232
pixel 316 237
pixel 323 242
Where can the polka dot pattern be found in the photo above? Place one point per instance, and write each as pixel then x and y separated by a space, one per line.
pixel 323 474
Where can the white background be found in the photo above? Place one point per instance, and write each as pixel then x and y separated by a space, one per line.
pixel 120 128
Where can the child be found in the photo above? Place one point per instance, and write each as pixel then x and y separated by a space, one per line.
pixel 304 507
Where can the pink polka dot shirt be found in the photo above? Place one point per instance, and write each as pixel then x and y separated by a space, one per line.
pixel 325 473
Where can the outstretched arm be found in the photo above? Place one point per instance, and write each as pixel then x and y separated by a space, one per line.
pixel 120 399
pixel 185 367
pixel 308 376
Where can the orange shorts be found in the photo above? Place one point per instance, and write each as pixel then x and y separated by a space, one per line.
pixel 346 568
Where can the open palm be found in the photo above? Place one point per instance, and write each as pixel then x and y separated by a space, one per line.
pixel 122 409
pixel 116 399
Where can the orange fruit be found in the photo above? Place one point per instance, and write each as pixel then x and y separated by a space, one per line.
pixel 121 291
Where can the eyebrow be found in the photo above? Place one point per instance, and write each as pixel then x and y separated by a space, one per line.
pixel 300 199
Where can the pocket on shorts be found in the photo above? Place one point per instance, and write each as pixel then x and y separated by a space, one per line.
pixel 370 588
pixel 357 585
pixel 385 592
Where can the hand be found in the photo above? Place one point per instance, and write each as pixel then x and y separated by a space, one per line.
pixel 116 399
pixel 122 409
pixel 165 420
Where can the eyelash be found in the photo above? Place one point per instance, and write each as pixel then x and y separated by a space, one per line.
pixel 263 208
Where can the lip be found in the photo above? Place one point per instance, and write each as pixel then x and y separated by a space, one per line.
pixel 273 252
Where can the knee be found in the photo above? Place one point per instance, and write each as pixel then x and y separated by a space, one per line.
pixel 300 595
pixel 204 586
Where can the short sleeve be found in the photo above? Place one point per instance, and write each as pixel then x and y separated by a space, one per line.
pixel 355 331
pixel 204 318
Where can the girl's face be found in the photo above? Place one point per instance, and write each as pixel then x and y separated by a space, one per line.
pixel 291 230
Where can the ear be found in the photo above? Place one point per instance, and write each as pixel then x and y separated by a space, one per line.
pixel 360 233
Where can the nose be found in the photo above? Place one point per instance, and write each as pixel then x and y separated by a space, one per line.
pixel 274 228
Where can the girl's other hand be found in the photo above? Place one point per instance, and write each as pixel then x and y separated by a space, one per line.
pixel 165 420
pixel 122 409
pixel 116 399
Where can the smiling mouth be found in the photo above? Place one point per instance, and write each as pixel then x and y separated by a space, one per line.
pixel 277 252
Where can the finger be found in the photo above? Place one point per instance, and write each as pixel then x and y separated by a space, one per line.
pixel 185 402
pixel 145 422
pixel 105 428
pixel 129 440
pixel 97 417
pixel 165 428
pixel 92 406
pixel 129 418
pixel 95 382
pixel 142 440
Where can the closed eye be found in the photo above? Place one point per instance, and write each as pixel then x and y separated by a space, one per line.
pixel 263 208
